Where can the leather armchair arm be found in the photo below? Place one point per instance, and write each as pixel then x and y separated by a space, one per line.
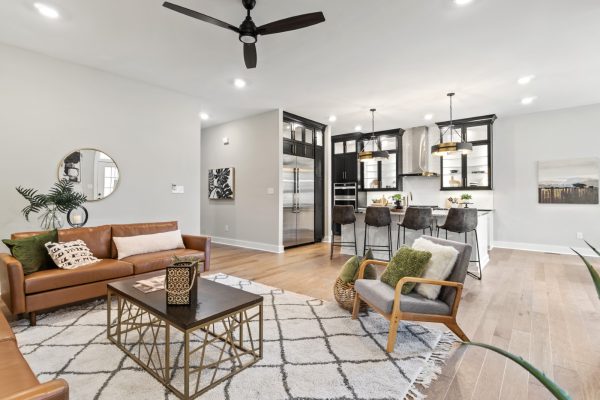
pixel 200 243
pixel 363 266
pixel 457 285
pixel 57 389
pixel 12 283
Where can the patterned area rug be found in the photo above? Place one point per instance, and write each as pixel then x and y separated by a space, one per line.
pixel 312 350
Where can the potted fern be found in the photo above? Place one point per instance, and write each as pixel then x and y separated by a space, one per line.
pixel 61 199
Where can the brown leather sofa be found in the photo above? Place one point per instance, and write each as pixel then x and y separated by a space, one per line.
pixel 17 380
pixel 56 287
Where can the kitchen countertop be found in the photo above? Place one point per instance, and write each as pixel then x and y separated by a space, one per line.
pixel 437 212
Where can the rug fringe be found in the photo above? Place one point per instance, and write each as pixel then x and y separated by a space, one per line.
pixel 432 368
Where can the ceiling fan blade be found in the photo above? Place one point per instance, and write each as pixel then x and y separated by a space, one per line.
pixel 292 23
pixel 200 16
pixel 250 55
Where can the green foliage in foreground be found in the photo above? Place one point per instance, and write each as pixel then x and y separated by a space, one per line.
pixel 556 390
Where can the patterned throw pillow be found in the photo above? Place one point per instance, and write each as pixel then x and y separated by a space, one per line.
pixel 71 255
pixel 406 262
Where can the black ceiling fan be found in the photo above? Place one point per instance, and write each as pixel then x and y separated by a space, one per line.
pixel 248 31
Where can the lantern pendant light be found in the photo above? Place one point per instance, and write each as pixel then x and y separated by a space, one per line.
pixel 451 147
pixel 372 148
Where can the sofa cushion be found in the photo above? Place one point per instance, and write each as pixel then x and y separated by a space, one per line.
pixel 59 278
pixel 142 244
pixel 96 238
pixel 381 296
pixel 5 332
pixel 15 374
pixel 149 262
pixel 31 252
pixel 140 229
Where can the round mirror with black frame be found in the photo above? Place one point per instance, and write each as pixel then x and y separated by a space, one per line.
pixel 93 173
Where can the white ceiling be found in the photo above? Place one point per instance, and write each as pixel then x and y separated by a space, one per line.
pixel 400 56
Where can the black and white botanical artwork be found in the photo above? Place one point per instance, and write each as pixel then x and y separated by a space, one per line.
pixel 221 184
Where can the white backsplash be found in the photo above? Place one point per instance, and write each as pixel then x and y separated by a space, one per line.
pixel 426 192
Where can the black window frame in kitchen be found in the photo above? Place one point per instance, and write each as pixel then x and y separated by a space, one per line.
pixel 462 126
pixel 398 152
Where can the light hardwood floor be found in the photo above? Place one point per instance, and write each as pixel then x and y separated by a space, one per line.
pixel 540 306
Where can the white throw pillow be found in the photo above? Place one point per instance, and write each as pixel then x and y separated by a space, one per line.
pixel 142 244
pixel 70 255
pixel 438 268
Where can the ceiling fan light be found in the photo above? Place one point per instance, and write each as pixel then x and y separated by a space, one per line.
pixel 249 39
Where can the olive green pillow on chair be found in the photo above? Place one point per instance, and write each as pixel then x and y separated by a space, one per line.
pixel 31 252
pixel 350 269
pixel 406 262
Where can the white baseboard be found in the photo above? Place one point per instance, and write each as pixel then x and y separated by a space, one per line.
pixel 271 248
pixel 326 239
pixel 544 248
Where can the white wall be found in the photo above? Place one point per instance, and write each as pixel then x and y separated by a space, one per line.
pixel 49 108
pixel 521 141
pixel 253 219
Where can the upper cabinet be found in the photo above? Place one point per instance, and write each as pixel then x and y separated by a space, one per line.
pixel 472 171
pixel 301 137
pixel 370 175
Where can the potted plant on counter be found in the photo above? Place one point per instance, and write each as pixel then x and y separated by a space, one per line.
pixel 466 199
pixel 398 200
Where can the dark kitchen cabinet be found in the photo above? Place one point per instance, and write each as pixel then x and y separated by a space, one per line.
pixel 345 168
pixel 305 138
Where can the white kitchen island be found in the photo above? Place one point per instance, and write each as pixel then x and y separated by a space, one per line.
pixel 378 236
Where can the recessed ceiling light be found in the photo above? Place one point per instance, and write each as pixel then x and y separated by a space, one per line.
pixel 428 117
pixel 239 83
pixel 204 116
pixel 332 118
pixel 46 10
pixel 528 100
pixel 524 80
pixel 358 128
pixel 462 2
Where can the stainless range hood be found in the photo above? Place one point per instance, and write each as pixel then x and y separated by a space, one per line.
pixel 416 155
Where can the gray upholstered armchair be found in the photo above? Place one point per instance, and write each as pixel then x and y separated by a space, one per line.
pixel 395 306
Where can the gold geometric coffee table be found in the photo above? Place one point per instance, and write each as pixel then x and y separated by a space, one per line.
pixel 189 349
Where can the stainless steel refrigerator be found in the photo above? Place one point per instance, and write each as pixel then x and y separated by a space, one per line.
pixel 298 200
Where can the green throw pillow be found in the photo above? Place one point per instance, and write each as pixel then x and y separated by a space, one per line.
pixel 406 262
pixel 350 269
pixel 31 252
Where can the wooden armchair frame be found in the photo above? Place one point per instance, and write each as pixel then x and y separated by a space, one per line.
pixel 398 315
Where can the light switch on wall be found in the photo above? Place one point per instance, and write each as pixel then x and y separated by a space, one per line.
pixel 270 191
pixel 177 189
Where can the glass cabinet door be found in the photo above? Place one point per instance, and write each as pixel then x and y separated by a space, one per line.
pixel 287 130
pixel 477 167
pixel 388 173
pixel 475 133
pixel 308 136
pixel 319 137
pixel 388 143
pixel 452 171
pixel 338 148
pixel 298 131
pixel 371 171
pixel 350 146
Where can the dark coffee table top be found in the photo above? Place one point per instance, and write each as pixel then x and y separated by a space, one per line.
pixel 215 300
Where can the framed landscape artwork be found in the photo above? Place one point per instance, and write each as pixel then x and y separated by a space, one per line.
pixel 572 181
pixel 221 184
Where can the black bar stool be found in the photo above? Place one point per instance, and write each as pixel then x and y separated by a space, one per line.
pixel 416 219
pixel 378 217
pixel 343 215
pixel 463 220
